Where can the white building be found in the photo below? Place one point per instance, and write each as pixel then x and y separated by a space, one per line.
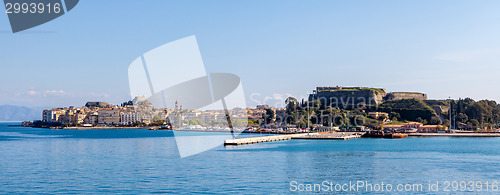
pixel 52 115
pixel 128 118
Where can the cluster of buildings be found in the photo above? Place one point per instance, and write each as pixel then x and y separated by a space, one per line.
pixel 208 118
pixel 104 114
pixel 137 112
pixel 255 114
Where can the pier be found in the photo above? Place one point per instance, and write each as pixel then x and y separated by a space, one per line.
pixel 454 134
pixel 254 140
pixel 341 136
pixel 330 135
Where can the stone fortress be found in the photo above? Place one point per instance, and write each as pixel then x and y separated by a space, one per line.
pixel 405 95
pixel 348 96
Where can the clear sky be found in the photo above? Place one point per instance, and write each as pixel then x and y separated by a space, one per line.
pixel 278 48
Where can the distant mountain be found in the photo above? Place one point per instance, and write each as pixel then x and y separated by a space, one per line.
pixel 19 113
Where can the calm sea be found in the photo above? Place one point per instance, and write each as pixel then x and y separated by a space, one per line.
pixel 136 161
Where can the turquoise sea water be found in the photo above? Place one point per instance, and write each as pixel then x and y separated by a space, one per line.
pixel 141 161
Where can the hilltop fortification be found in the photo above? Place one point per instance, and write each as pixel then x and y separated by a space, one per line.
pixel 350 97
pixel 344 97
pixel 405 95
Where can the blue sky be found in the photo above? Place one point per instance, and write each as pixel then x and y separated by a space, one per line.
pixel 278 48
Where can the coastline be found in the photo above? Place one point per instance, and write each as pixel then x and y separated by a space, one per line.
pixel 97 128
pixel 489 134
pixel 485 134
pixel 454 134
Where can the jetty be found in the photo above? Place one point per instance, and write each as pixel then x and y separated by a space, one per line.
pixel 328 135
pixel 454 134
pixel 254 140
pixel 331 136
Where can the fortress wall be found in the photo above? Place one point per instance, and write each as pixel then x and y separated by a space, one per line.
pixel 405 95
pixel 349 97
pixel 341 97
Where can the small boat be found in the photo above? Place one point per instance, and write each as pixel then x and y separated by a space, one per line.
pixel 382 134
pixel 248 130
pixel 162 127
pixel 398 135
pixel 412 130
pixel 165 127
pixel 374 134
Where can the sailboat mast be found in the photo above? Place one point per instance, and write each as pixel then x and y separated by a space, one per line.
pixel 449 113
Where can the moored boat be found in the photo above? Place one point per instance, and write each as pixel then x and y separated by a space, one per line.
pixel 384 134
pixel 398 135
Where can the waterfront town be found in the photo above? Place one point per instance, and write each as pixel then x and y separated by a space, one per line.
pixel 138 112
pixel 326 109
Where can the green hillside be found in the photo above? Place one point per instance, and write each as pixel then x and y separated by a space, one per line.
pixel 408 109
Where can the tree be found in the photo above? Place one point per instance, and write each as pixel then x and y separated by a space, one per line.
pixel 268 116
pixel 291 110
pixel 463 118
pixel 394 115
pixel 291 104
pixel 474 122
pixel 314 105
pixel 435 120
pixel 129 103
pixel 157 121
pixel 195 121
pixel 476 111
pixel 408 109
pixel 446 123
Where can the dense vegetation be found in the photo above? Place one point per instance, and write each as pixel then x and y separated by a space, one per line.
pixel 469 114
pixel 311 113
pixel 466 113
pixel 410 110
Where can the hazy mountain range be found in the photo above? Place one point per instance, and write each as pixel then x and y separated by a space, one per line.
pixel 19 113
